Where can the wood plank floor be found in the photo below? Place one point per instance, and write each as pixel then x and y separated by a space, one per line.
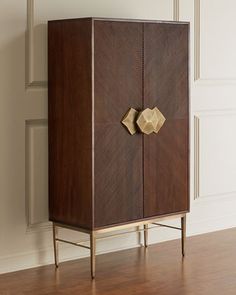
pixel 209 268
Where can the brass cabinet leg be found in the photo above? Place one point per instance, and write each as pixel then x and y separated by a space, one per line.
pixel 183 234
pixel 55 244
pixel 92 253
pixel 145 235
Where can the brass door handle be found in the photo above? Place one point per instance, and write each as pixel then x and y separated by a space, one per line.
pixel 146 121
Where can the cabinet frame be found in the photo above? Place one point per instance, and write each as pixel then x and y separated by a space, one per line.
pixel 93 232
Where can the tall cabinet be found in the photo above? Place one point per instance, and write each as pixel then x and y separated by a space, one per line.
pixel 118 110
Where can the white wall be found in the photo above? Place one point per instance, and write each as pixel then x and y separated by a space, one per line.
pixel 25 234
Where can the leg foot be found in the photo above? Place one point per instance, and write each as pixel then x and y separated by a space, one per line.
pixel 145 234
pixel 92 253
pixel 183 234
pixel 55 245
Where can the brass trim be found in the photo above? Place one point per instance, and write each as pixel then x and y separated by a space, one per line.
pixel 145 234
pixel 71 227
pixel 73 243
pixel 94 235
pixel 139 223
pixel 129 232
pixel 55 244
pixel 92 253
pixel 145 229
pixel 183 234
pixel 169 226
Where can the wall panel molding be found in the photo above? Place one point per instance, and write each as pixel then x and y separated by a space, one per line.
pixel 197 57
pixel 197 152
pixel 196 157
pixel 35 180
pixel 198 79
pixel 176 8
pixel 30 80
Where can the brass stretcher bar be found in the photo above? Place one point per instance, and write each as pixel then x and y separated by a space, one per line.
pixel 94 235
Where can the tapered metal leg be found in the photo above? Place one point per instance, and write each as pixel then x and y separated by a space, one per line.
pixel 55 244
pixel 145 235
pixel 92 253
pixel 183 234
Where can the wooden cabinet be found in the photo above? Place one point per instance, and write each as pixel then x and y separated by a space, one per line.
pixel 101 176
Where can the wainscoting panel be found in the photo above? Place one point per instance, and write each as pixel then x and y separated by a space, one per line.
pixel 215 157
pixel 214 46
pixel 37 171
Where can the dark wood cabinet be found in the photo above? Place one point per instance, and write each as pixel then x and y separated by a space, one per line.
pixel 101 176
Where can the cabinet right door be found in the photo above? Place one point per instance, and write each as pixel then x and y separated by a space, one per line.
pixel 166 154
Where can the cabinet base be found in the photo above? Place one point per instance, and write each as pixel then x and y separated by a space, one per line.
pixel 95 235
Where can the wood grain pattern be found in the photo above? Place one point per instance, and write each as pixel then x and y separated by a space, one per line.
pixel 166 168
pixel 209 268
pixel 118 155
pixel 100 175
pixel 70 122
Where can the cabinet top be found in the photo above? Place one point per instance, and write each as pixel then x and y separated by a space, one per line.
pixel 121 20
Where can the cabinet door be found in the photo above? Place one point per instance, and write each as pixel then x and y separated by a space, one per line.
pixel 166 87
pixel 118 171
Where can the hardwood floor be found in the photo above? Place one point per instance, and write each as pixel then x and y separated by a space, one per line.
pixel 208 268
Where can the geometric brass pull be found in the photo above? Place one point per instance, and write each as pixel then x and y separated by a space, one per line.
pixel 129 121
pixel 147 121
pixel 150 121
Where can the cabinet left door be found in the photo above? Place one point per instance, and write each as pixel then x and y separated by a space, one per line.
pixel 118 169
